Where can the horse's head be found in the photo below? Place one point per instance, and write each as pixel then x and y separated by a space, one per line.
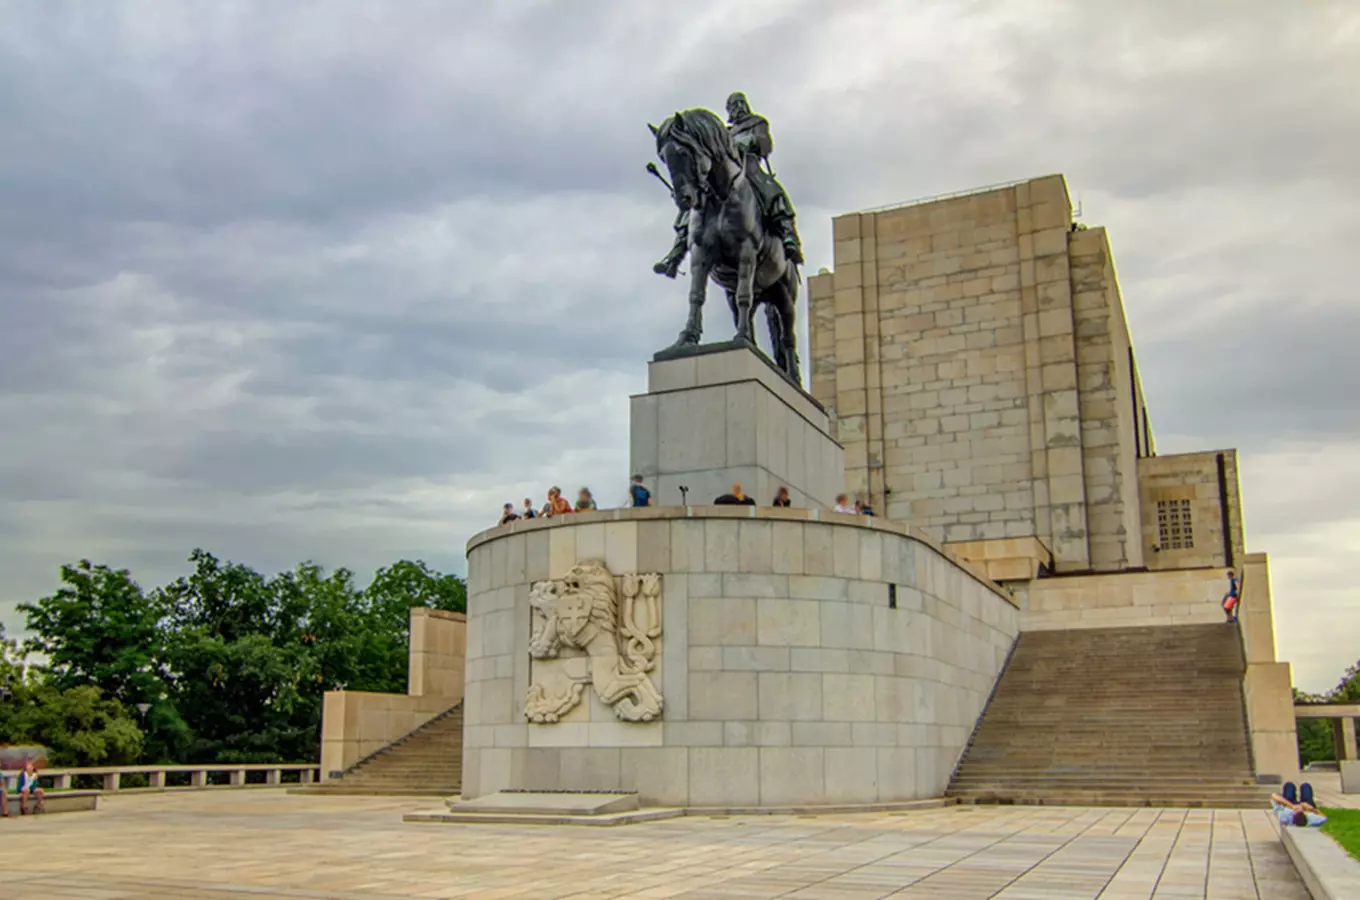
pixel 690 143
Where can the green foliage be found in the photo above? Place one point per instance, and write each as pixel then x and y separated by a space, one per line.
pixel 1344 827
pixel 78 725
pixel 230 666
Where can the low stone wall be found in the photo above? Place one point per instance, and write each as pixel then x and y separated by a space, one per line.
pixel 1327 871
pixel 1125 599
pixel 805 657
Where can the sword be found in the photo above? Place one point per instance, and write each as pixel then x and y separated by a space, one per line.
pixel 651 167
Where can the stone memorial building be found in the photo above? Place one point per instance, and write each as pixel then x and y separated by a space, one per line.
pixel 1034 617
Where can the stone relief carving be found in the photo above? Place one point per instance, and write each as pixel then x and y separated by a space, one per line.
pixel 615 622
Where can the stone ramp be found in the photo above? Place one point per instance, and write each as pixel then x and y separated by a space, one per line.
pixel 1150 716
pixel 428 762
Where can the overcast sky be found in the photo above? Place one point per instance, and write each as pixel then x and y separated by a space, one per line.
pixel 333 280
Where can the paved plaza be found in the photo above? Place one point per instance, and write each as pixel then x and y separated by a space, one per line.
pixel 267 844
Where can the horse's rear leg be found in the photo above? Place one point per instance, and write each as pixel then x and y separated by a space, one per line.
pixel 746 276
pixel 788 310
pixel 774 320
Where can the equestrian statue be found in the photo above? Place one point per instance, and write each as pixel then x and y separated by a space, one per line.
pixel 735 221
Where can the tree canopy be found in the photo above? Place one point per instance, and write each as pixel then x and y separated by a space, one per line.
pixel 221 665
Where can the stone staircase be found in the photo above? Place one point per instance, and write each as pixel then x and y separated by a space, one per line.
pixel 1116 717
pixel 426 762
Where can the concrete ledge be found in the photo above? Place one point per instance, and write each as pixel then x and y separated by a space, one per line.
pixel 507 818
pixel 1326 869
pixel 656 814
pixel 61 802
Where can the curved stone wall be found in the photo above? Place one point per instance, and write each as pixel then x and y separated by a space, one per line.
pixel 804 657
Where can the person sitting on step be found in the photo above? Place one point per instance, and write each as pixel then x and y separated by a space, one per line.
pixel 29 786
pixel 1296 807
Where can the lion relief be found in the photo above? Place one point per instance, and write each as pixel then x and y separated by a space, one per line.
pixel 615 622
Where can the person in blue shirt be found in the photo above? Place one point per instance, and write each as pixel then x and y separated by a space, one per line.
pixel 640 495
pixel 1233 597
pixel 1299 812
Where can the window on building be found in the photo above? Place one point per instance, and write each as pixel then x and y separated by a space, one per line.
pixel 1175 531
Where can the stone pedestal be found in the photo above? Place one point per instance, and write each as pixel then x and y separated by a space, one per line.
pixel 721 413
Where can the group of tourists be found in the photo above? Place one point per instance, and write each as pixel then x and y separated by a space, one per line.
pixel 558 505
pixel 638 495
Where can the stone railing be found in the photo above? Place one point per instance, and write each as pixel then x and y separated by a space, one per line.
pixel 238 775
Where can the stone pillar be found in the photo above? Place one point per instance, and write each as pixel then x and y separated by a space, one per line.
pixel 721 413
pixel 1343 737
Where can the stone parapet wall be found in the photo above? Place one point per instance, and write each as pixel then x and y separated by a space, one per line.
pixel 1125 599
pixel 792 673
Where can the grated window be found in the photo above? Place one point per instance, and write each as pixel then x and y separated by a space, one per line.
pixel 1175 530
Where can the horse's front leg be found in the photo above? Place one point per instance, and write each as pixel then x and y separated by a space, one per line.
pixel 699 266
pixel 746 277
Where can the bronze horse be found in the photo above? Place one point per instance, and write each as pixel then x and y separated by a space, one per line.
pixel 729 240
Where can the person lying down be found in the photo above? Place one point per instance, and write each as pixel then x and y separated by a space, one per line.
pixel 1295 806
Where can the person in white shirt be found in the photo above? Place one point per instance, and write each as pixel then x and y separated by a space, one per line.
pixel 843 505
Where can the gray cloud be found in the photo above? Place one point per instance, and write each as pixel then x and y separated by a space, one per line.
pixel 333 281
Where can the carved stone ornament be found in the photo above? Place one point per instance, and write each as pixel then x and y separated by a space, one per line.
pixel 615 622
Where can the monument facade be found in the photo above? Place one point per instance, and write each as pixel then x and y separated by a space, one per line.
pixel 973 353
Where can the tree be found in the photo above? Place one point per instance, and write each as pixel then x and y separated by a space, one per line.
pixel 99 630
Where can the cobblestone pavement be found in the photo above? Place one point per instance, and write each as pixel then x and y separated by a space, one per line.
pixel 266 844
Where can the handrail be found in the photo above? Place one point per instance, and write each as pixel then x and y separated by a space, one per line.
pixel 60 778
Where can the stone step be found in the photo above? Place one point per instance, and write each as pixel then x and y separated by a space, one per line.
pixel 1137 716
pixel 427 762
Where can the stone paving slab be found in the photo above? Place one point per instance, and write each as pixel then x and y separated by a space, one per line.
pixel 268 845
